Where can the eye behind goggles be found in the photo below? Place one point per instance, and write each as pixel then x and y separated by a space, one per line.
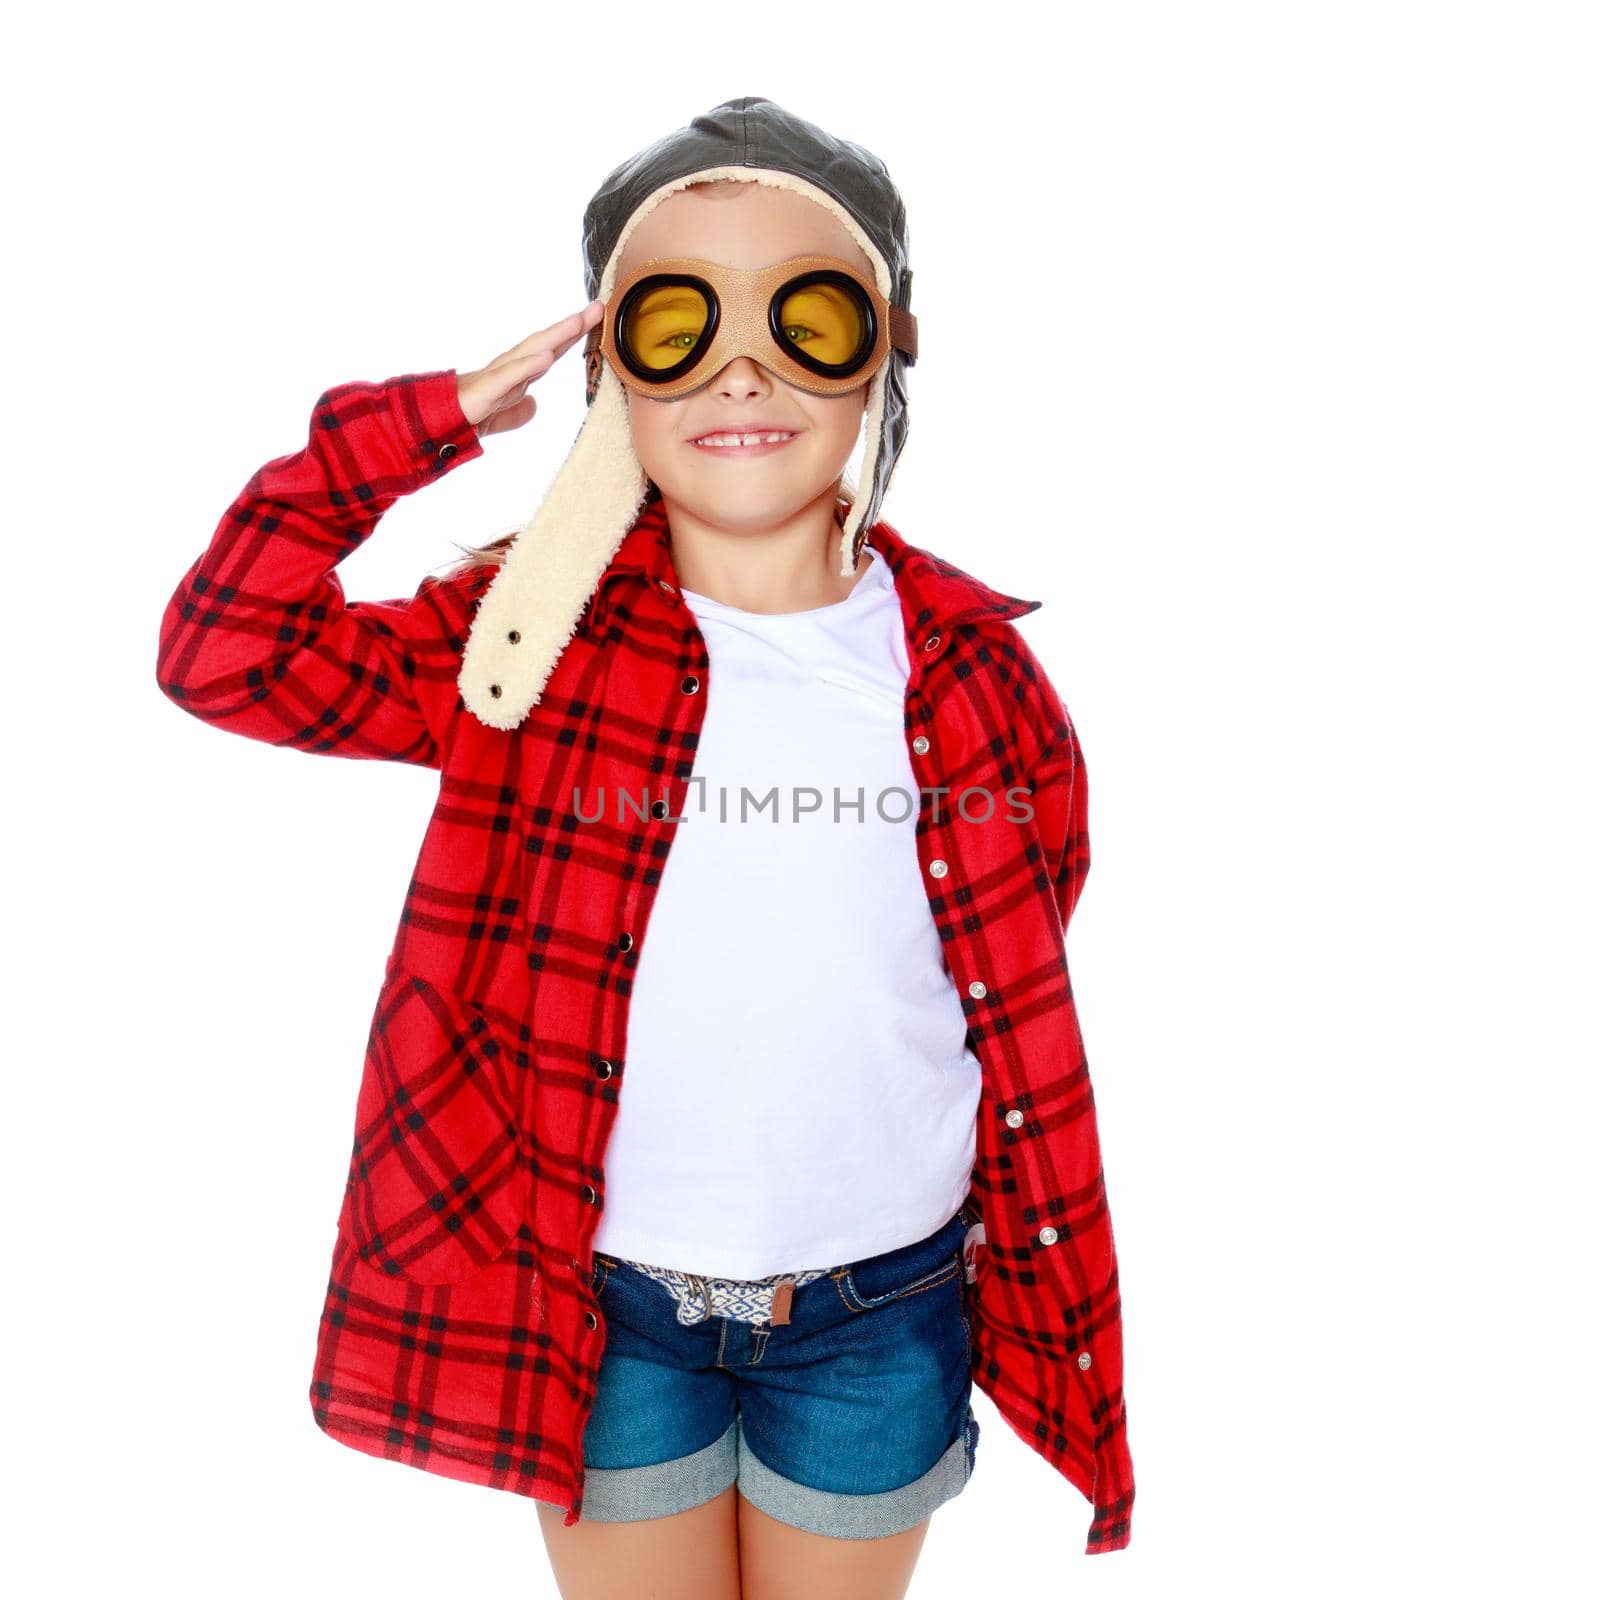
pixel 813 321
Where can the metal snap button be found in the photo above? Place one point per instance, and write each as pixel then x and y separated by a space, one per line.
pixel 931 642
pixel 446 451
pixel 624 941
pixel 591 1319
pixel 665 586
pixel 587 1194
pixel 603 1068
pixel 659 809
pixel 690 683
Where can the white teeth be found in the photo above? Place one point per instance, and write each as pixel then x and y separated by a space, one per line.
pixel 733 440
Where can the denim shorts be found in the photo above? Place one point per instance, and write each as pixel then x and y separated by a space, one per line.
pixel 853 1419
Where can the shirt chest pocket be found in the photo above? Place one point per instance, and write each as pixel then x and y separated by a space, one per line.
pixel 437 1186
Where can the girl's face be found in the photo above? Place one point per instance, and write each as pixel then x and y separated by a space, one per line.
pixel 744 225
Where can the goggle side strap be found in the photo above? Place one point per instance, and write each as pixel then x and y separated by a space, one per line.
pixel 903 333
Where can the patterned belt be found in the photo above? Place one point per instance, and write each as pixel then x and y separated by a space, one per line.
pixel 743 1299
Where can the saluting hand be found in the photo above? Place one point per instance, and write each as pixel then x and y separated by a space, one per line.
pixel 495 398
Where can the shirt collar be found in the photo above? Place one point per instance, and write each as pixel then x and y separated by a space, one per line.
pixel 935 595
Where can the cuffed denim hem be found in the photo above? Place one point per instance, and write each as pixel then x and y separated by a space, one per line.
pixel 859 1516
pixel 635 1494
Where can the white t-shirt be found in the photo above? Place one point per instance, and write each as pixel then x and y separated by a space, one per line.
pixel 798 1090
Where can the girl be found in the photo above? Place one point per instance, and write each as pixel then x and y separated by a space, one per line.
pixel 721 1325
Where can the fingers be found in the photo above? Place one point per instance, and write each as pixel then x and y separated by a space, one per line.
pixel 510 416
pixel 519 369
pixel 511 389
pixel 494 398
pixel 558 338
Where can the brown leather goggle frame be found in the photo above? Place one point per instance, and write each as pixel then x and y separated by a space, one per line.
pixel 743 307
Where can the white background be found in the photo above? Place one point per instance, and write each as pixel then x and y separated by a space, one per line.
pixel 1259 342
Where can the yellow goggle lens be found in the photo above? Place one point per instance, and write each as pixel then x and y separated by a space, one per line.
pixel 663 325
pixel 825 321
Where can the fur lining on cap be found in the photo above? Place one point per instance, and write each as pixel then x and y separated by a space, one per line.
pixel 531 610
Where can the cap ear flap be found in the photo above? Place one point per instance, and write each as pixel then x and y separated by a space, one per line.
pixel 531 611
pixel 870 495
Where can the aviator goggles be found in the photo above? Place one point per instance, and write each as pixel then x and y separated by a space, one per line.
pixel 814 321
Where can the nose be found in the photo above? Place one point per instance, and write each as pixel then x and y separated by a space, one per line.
pixel 741 377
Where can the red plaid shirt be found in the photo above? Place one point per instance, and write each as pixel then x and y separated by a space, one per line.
pixel 459 1333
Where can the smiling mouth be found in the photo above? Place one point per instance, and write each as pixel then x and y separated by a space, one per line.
pixel 736 443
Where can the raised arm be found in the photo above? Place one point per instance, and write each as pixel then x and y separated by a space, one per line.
pixel 258 637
